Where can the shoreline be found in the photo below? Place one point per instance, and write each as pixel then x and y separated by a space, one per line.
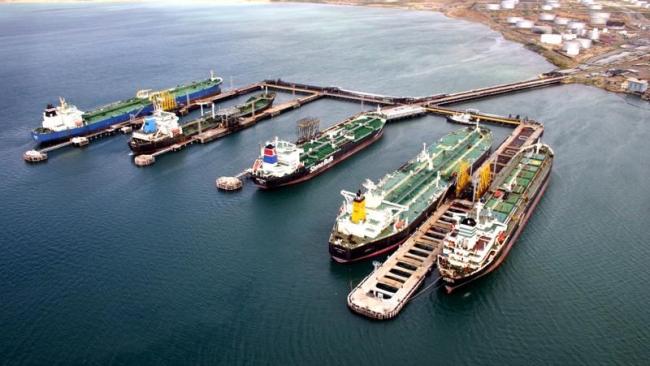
pixel 606 64
pixel 585 69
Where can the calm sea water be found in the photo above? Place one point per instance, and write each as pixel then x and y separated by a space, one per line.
pixel 105 263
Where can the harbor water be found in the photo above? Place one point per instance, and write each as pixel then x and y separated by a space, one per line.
pixel 103 263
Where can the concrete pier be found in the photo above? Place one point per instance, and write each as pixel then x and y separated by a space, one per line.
pixel 385 291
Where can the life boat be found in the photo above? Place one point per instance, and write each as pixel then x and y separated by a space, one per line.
pixel 257 165
pixel 502 237
pixel 400 224
pixel 79 123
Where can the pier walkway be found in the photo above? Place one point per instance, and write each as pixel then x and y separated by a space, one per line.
pixel 427 101
pixel 495 90
pixel 218 132
pixel 220 97
pixel 395 108
pixel 391 285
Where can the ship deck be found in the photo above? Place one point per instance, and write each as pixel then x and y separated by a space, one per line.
pixel 521 177
pixel 324 146
pixel 406 184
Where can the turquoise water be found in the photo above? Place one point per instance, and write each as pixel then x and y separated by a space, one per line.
pixel 105 263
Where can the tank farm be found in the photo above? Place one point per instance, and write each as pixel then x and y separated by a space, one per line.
pixel 507 181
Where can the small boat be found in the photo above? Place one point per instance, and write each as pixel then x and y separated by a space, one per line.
pixel 465 118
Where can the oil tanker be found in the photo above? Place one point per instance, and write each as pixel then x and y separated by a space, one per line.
pixel 284 163
pixel 66 120
pixel 162 128
pixel 481 239
pixel 376 221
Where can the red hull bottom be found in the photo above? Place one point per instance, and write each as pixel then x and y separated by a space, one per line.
pixel 371 255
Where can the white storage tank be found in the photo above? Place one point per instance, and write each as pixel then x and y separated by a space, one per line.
pixel 513 20
pixel 525 24
pixel 547 17
pixel 600 14
pixel 507 4
pixel 576 25
pixel 561 21
pixel 584 43
pixel 542 29
pixel 547 7
pixel 595 7
pixel 568 36
pixel 572 48
pixel 593 35
pixel 493 6
pixel 596 20
pixel 555 39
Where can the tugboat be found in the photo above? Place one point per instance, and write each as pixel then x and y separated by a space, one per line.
pixel 464 118
pixel 55 129
pixel 481 239
pixel 283 163
pixel 377 221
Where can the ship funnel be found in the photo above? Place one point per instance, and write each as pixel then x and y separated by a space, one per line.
pixel 358 208
pixel 270 155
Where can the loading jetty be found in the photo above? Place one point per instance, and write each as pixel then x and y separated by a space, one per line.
pixel 209 135
pixel 383 293
pixel 394 108
pixel 40 155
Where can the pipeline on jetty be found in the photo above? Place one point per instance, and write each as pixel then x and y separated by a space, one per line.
pixel 39 155
pixel 395 108
pixel 427 101
pixel 383 293
pixel 218 132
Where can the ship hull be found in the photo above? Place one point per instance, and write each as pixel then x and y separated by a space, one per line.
pixel 375 248
pixel 303 174
pixel 146 147
pixel 58 136
pixel 505 249
pixel 378 247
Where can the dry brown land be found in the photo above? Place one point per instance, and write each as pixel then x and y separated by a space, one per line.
pixel 629 46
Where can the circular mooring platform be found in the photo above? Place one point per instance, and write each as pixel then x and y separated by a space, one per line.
pixel 144 160
pixel 229 183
